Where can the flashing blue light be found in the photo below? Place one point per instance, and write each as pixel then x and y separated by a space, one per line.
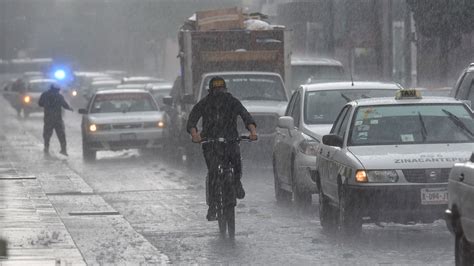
pixel 59 74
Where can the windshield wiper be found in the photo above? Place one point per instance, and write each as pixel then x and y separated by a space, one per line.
pixel 424 132
pixel 458 122
pixel 345 97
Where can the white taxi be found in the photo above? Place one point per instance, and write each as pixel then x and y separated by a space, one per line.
pixel 388 159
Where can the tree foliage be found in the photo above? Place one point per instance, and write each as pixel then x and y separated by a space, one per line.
pixel 443 18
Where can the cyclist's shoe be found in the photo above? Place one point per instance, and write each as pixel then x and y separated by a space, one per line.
pixel 211 214
pixel 239 190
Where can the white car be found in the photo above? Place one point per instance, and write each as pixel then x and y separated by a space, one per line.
pixel 309 116
pixel 460 212
pixel 122 119
pixel 388 160
pixel 29 99
pixel 141 80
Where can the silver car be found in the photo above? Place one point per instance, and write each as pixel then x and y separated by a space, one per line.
pixel 460 212
pixel 121 119
pixel 388 160
pixel 309 116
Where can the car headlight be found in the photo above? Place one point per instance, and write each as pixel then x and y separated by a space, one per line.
pixel 74 93
pixel 158 124
pixel 309 145
pixel 92 127
pixel 376 176
pixel 27 99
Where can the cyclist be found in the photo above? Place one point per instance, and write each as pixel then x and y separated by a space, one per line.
pixel 219 111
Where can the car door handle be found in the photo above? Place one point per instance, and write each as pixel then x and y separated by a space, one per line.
pixel 461 177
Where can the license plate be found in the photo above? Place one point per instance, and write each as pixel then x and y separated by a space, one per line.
pixel 434 196
pixel 128 136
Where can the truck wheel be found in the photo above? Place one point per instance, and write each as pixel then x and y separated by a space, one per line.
pixel 88 154
pixel 350 222
pixel 463 251
pixel 302 198
pixel 326 213
pixel 281 195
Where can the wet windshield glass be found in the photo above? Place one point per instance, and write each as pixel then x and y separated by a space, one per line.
pixel 116 103
pixel 322 107
pixel 254 87
pixel 411 124
pixel 39 87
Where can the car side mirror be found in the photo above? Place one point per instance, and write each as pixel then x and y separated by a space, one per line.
pixel 168 100
pixel 332 140
pixel 286 122
pixel 82 111
pixel 189 99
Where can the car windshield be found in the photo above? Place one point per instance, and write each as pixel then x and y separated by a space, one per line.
pixel 123 102
pixel 411 124
pixel 39 86
pixel 322 107
pixel 308 74
pixel 254 87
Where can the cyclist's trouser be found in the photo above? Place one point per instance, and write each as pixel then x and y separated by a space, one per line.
pixel 211 152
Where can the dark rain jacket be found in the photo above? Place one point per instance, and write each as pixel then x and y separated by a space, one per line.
pixel 219 114
pixel 52 102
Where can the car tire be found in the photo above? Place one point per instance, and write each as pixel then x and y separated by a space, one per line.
pixel 349 220
pixel 302 198
pixel 281 195
pixel 327 215
pixel 88 154
pixel 463 251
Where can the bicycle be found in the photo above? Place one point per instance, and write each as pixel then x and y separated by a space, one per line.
pixel 225 185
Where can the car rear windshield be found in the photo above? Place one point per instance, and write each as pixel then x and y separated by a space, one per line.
pixel 253 87
pixel 322 107
pixel 123 102
pixel 308 74
pixel 411 124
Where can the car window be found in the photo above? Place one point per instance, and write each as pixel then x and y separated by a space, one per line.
pixel 254 87
pixel 296 112
pixel 322 107
pixel 339 120
pixel 470 96
pixel 412 124
pixel 289 107
pixel 464 86
pixel 341 131
pixel 123 102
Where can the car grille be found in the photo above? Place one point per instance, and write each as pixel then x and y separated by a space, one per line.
pixel 266 124
pixel 127 126
pixel 436 175
pixel 128 143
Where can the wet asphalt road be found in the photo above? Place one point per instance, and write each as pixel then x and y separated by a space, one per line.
pixel 165 204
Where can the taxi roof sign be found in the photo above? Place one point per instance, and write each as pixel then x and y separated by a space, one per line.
pixel 408 94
